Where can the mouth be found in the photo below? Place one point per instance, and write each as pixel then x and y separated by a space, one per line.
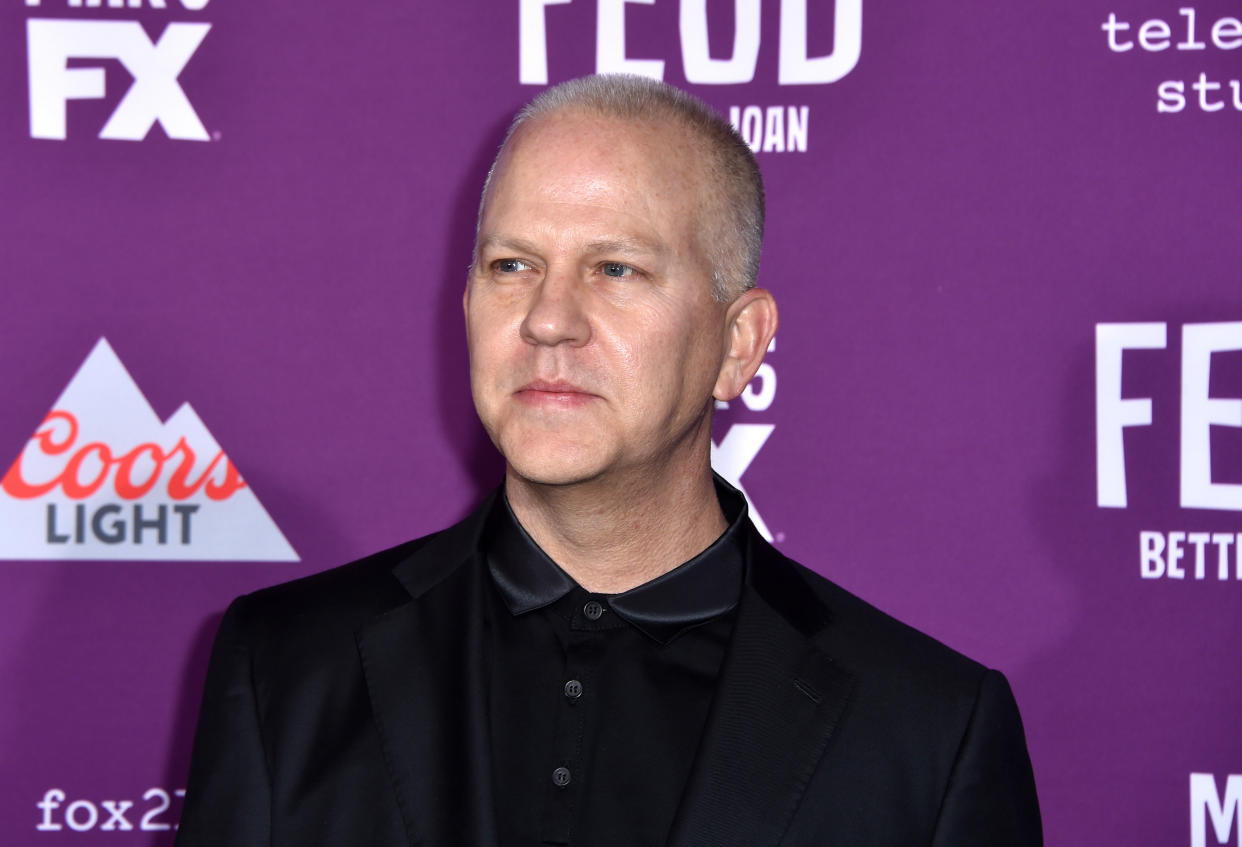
pixel 554 393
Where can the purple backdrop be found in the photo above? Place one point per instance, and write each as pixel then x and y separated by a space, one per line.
pixel 952 213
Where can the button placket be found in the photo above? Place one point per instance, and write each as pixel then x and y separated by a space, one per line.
pixel 566 777
pixel 588 628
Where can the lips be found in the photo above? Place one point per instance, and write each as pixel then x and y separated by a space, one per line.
pixel 553 387
pixel 553 393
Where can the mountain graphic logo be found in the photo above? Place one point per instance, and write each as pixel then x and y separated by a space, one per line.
pixel 103 478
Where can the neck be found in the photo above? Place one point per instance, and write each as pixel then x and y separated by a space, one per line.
pixel 612 534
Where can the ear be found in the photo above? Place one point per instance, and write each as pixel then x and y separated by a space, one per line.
pixel 751 322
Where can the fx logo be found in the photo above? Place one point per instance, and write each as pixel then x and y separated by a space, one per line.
pixel 155 94
pixel 733 456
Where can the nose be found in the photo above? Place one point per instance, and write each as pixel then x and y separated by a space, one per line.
pixel 556 313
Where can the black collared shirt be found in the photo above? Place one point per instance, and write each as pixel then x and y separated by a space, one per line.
pixel 597 702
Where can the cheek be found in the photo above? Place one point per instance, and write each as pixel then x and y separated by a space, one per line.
pixel 489 332
pixel 639 346
pixel 667 352
pixel 700 355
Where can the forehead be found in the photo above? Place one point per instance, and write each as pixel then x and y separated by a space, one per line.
pixel 598 169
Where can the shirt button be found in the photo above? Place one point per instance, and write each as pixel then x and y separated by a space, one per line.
pixel 593 610
pixel 560 777
pixel 573 689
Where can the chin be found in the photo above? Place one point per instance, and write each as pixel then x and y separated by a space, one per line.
pixel 552 461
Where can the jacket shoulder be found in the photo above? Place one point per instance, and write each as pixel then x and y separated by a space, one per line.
pixel 878 648
pixel 346 596
pixel 365 586
pixel 930 747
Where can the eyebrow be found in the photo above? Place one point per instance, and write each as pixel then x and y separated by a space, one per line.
pixel 504 243
pixel 628 245
pixel 609 245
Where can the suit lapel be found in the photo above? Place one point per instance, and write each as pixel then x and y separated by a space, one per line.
pixel 424 667
pixel 777 703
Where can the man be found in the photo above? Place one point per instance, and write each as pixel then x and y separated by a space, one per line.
pixel 605 652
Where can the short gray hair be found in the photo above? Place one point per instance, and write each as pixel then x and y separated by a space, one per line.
pixel 735 241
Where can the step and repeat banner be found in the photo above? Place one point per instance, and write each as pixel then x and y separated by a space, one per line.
pixel 1004 404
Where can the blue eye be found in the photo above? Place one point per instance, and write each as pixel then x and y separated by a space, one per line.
pixel 511 266
pixel 616 269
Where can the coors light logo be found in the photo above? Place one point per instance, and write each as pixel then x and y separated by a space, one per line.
pixel 103 478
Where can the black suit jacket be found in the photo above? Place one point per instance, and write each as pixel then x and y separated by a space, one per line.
pixel 348 708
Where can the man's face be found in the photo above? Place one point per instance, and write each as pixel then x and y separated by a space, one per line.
pixel 595 343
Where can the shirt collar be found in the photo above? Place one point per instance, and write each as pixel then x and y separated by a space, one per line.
pixel 694 592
